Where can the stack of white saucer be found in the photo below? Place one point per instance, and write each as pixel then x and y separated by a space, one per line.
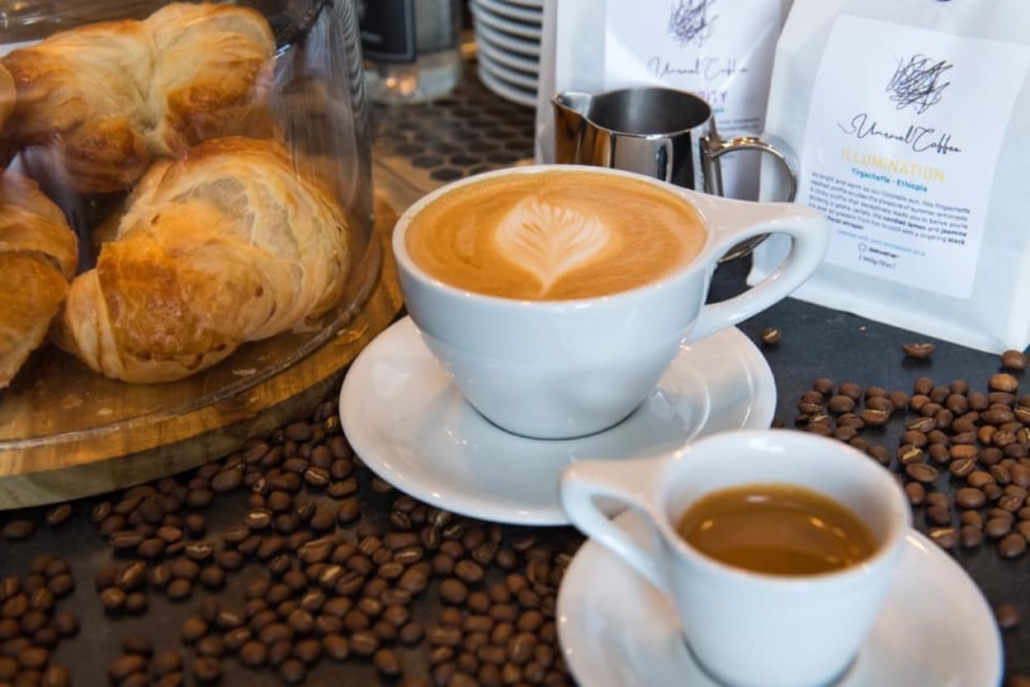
pixel 508 34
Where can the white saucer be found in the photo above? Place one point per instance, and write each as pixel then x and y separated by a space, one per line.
pixel 507 74
pixel 535 4
pixel 412 427
pixel 513 11
pixel 507 41
pixel 498 86
pixel 616 630
pixel 508 58
pixel 512 26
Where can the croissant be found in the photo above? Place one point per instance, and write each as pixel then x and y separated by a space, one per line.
pixel 107 98
pixel 7 95
pixel 226 245
pixel 38 255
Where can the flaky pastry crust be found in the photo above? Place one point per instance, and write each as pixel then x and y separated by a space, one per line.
pixel 106 99
pixel 38 255
pixel 227 244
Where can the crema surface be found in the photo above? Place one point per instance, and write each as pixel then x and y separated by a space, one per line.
pixel 554 236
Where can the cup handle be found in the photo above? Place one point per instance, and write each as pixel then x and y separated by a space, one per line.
pixel 733 222
pixel 716 147
pixel 626 482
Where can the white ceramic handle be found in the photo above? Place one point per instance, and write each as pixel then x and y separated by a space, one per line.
pixel 629 483
pixel 732 222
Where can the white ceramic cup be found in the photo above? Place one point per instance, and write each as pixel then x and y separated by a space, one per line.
pixel 746 628
pixel 562 369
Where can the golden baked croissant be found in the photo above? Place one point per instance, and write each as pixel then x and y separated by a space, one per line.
pixel 7 95
pixel 38 255
pixel 106 98
pixel 227 244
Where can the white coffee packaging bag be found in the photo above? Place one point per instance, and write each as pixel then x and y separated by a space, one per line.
pixel 721 50
pixel 909 120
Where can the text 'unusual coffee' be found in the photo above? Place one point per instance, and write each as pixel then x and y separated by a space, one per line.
pixel 557 235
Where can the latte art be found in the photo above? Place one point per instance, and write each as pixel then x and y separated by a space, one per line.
pixel 551 241
pixel 554 235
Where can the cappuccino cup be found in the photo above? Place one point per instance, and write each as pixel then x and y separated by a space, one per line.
pixel 556 296
pixel 745 626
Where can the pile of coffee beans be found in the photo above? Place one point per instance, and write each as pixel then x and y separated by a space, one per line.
pixel 963 455
pixel 322 563
pixel 32 624
pixel 139 666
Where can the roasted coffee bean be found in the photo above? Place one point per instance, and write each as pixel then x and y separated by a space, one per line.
pixel 469 571
pixel 1012 546
pixel 279 652
pixel 229 560
pixel 179 589
pixel 192 629
pixel 921 472
pixel 199 551
pixel 355 620
pixel 206 669
pixel 212 577
pixel 112 599
pixel 253 654
pixel 226 481
pixel 364 643
pixel 453 591
pixel 970 536
pixel 880 454
pixel 125 540
pixel 185 569
pixel 919 350
pixel 270 547
pixel 1003 382
pixel 124 666
pixel 55 676
pixel 258 519
pixel 1013 360
pixel 387 663
pixel 328 624
pixel 211 645
pixel 1007 616
pixel 236 638
pixel 945 537
pixel 308 650
pixel 300 621
pixel 969 497
pixel 979 479
pixel 166 663
pixel 292 671
pixel 336 647
pixel 16 530
pixel 996 528
pixel 59 514
pixel 276 632
pixel 280 501
pixel 915 492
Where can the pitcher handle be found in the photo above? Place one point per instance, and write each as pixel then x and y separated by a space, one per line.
pixel 715 148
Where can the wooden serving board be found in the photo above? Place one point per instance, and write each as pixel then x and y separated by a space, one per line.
pixel 43 459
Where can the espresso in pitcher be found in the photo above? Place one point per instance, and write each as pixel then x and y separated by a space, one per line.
pixel 555 236
pixel 776 529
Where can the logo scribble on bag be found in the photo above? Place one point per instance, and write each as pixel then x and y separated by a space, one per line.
pixel 691 21
pixel 917 83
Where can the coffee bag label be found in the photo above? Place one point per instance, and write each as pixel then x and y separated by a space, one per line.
pixel 904 132
pixel 722 53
